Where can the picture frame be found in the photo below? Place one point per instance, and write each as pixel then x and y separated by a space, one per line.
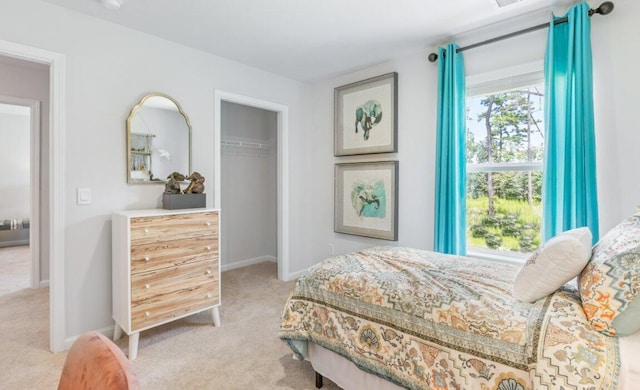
pixel 365 116
pixel 366 199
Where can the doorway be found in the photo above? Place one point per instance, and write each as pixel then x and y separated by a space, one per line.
pixel 52 191
pixel 20 200
pixel 248 185
pixel 281 169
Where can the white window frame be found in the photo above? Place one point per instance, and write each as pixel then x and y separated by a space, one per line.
pixel 505 167
pixel 492 83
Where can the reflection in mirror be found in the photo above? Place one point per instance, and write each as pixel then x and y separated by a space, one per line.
pixel 158 140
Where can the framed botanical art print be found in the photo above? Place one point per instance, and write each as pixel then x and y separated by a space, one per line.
pixel 366 199
pixel 366 116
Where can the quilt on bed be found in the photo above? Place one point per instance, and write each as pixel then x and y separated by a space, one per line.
pixel 425 320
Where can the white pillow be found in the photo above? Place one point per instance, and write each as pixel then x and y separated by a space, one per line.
pixel 555 263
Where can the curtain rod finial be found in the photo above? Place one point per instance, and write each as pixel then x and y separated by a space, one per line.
pixel 604 9
pixel 433 57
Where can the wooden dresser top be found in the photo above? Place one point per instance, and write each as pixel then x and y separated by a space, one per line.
pixel 154 212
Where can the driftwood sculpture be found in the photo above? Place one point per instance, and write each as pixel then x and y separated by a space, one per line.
pixel 173 184
pixel 196 186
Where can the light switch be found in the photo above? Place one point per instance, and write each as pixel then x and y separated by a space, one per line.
pixel 84 195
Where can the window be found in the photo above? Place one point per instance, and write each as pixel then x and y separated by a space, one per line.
pixel 505 146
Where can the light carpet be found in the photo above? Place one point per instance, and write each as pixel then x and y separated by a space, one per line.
pixel 190 353
pixel 15 268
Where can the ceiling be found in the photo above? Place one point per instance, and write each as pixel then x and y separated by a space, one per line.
pixel 308 40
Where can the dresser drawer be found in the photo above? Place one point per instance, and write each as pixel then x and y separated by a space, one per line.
pixel 150 257
pixel 175 305
pixel 158 296
pixel 157 284
pixel 160 228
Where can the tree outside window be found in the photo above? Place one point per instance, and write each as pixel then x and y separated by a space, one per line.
pixel 505 146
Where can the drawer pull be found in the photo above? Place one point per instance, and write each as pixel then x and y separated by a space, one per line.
pixel 146 230
pixel 208 223
pixel 147 314
pixel 147 285
pixel 208 248
pixel 208 296
pixel 146 258
pixel 208 272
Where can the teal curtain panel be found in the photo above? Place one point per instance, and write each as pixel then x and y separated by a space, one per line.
pixel 450 199
pixel 569 175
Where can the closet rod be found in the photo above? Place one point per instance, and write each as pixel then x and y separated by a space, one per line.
pixel 604 9
pixel 246 144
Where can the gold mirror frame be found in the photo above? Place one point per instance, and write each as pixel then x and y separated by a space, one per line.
pixel 147 153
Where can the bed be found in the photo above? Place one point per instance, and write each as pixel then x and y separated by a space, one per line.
pixel 394 317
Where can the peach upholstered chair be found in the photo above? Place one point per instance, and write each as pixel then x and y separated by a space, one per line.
pixel 95 362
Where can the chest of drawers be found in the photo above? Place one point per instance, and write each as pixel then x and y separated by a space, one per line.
pixel 166 265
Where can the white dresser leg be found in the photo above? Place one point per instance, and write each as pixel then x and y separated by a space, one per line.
pixel 117 332
pixel 133 345
pixel 216 316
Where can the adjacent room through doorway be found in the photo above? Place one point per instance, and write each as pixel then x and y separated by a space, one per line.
pixel 15 196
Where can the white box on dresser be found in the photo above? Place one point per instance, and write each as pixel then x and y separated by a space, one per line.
pixel 166 265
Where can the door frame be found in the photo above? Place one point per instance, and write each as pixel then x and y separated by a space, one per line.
pixel 34 182
pixel 282 113
pixel 55 195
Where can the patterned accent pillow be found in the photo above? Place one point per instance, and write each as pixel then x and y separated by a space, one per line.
pixel 610 283
pixel 555 263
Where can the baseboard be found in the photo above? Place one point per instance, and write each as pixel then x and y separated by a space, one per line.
pixel 247 262
pixel 106 332
pixel 14 243
pixel 296 275
pixel 260 259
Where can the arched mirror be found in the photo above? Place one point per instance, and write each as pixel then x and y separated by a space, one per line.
pixel 158 140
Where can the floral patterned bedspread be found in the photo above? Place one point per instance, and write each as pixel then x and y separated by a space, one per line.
pixel 425 320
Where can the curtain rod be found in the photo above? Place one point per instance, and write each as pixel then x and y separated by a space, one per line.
pixel 604 9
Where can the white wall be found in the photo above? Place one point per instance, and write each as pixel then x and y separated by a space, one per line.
pixel 14 164
pixel 249 223
pixel 416 146
pixel 616 56
pixel 108 69
pixel 615 86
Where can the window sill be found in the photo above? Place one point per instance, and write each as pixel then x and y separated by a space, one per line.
pixel 502 256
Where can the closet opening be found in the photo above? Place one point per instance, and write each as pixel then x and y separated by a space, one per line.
pixel 249 152
pixel 251 181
